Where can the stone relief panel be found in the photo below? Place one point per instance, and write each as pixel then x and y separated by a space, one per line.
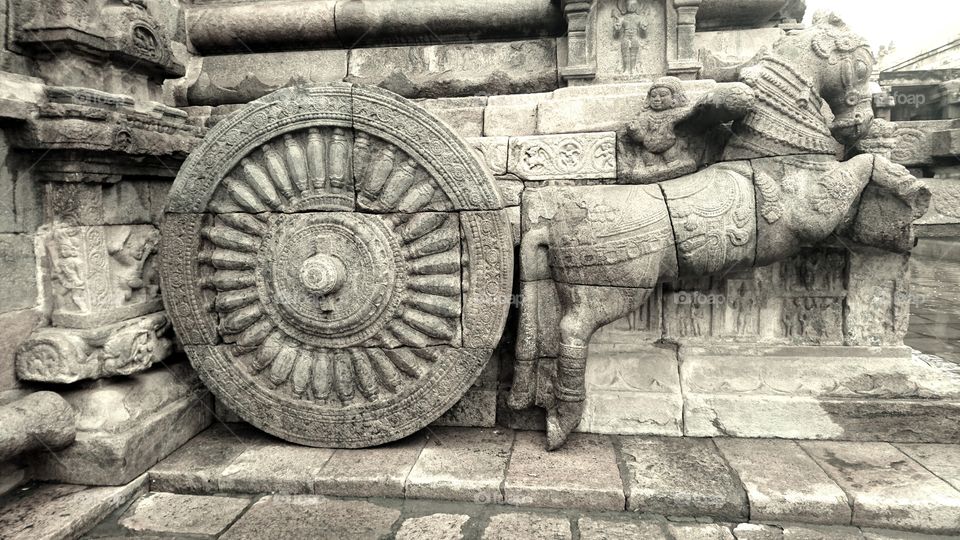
pixel 344 239
pixel 630 38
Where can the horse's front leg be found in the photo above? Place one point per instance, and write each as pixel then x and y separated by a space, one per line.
pixel 585 309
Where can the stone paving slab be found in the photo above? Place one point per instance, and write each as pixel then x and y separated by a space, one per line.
pixel 582 474
pixel 942 460
pixel 313 516
pixel 274 467
pixel 370 472
pixel 196 466
pixel 682 477
pixel 61 510
pixel 183 514
pixel 527 526
pixel 887 488
pixel 783 483
pixel 434 527
pixel 461 464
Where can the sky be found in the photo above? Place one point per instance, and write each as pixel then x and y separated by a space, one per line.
pixel 914 26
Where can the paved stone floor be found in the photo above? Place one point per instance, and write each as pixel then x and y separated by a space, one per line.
pixel 231 481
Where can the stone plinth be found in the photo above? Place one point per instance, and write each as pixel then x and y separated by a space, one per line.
pixel 125 427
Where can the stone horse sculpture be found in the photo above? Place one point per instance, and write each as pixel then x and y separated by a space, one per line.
pixel 779 186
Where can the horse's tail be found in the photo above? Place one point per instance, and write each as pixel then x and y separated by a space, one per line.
pixel 535 281
pixel 534 263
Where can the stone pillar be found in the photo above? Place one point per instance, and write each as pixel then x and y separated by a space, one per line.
pixel 39 421
pixel 581 62
pixel 686 65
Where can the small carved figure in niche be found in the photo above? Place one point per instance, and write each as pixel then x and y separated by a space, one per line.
pixel 743 304
pixel 68 266
pixel 631 28
pixel 789 317
pixel 664 154
pixel 697 313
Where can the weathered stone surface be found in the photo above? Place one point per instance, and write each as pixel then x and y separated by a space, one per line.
pixel 755 531
pixel 783 484
pixel 699 531
pixel 820 532
pixel 493 152
pixel 682 477
pixel 942 460
pixel 887 488
pixel 605 529
pixel 62 511
pixel 124 430
pixel 435 526
pixel 945 204
pixel 477 408
pixel 462 464
pixel 12 476
pixel 895 420
pixel 38 421
pixel 305 516
pixel 196 466
pixel 738 46
pixel 214 28
pixel 170 513
pixel 19 263
pixel 631 389
pixel 564 157
pixel 458 69
pixel 240 78
pixel 15 327
pixel 538 478
pixel 526 526
pixel 274 467
pixel 512 115
pixel 464 115
pixel 370 472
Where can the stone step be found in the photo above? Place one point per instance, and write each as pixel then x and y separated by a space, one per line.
pixel 235 517
pixel 874 485
pixel 55 511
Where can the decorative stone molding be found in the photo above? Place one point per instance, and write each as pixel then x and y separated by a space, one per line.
pixel 64 355
pixel 580 156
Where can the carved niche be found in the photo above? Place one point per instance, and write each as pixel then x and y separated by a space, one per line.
pixel 338 265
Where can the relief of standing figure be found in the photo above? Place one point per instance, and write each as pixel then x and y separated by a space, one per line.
pixel 631 29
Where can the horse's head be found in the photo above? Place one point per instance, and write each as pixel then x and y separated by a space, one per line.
pixel 845 66
pixel 838 63
pixel 845 77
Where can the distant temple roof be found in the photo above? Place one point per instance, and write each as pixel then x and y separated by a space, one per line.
pixel 931 67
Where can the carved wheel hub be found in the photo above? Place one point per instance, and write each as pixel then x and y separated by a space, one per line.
pixel 328 279
pixel 337 264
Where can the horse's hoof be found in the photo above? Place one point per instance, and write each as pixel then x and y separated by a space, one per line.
pixel 520 400
pixel 562 421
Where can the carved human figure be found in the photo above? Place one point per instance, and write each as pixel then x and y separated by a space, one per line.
pixel 654 129
pixel 631 28
pixel 67 261
pixel 778 187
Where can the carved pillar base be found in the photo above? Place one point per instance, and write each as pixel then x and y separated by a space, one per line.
pixel 581 60
pixel 66 355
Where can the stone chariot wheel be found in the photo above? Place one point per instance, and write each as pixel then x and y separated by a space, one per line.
pixel 337 263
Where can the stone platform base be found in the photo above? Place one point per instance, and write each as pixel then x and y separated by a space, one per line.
pixel 818 483
pixel 889 394
pixel 124 426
